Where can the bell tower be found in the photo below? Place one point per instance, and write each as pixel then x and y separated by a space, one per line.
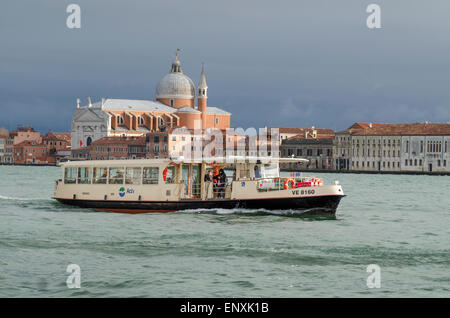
pixel 203 97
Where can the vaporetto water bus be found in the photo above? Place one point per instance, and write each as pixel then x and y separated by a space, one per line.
pixel 167 185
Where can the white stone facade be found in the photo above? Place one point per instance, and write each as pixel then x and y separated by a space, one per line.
pixel 89 124
pixel 425 153
pixel 375 153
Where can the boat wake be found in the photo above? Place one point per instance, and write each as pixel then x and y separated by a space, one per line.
pixel 7 198
pixel 262 212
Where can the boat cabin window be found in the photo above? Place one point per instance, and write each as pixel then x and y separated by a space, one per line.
pixel 270 171
pixel 244 174
pixel 84 175
pixel 115 175
pixel 100 175
pixel 169 174
pixel 133 176
pixel 70 175
pixel 150 175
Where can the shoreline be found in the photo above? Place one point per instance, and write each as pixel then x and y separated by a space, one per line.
pixel 434 173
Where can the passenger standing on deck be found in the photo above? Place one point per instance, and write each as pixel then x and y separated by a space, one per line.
pixel 207 193
pixel 257 172
pixel 221 183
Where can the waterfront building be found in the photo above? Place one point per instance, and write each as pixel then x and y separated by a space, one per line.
pixel 30 152
pixel 4 136
pixel 376 148
pixel 174 106
pixel 426 148
pixel 342 145
pixel 58 146
pixel 113 148
pixel 416 147
pixel 313 144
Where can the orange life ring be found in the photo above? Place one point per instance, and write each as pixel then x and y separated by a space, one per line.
pixel 288 182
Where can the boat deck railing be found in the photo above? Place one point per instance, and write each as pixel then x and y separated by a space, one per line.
pixel 283 183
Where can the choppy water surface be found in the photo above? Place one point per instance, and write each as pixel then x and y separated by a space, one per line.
pixel 401 223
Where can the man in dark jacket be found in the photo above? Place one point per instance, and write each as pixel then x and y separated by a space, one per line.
pixel 221 181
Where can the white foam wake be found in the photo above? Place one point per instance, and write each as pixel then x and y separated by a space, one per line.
pixel 2 197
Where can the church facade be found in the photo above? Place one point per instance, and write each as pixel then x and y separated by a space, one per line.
pixel 174 106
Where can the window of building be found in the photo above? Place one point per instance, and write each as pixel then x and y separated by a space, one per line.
pixel 415 162
pixel 171 102
pixel 439 163
pixel 420 162
pixel 217 120
pixel 120 120
pixel 156 149
pixel 156 139
pixel 141 121
pixel 150 175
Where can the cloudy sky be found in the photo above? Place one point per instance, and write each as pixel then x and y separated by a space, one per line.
pixel 277 63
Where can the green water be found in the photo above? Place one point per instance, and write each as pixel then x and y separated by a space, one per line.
pixel 401 223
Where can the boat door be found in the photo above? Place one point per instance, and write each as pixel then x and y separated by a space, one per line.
pixel 190 176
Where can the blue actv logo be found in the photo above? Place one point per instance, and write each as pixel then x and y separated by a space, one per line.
pixel 122 191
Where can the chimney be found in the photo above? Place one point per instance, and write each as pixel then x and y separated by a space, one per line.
pixel 103 103
pixel 89 102
pixel 78 103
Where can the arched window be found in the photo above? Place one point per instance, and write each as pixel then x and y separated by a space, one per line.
pixel 88 141
pixel 141 121
pixel 171 102
pixel 161 121
pixel 120 120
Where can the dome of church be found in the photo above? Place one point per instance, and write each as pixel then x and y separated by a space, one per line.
pixel 175 84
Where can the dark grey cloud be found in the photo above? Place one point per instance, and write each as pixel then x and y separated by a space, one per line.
pixel 290 63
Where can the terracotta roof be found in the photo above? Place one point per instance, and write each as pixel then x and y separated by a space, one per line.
pixel 63 136
pixel 406 129
pixel 56 136
pixel 298 131
pixel 360 125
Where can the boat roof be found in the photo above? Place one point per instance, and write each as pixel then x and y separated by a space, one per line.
pixel 178 160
